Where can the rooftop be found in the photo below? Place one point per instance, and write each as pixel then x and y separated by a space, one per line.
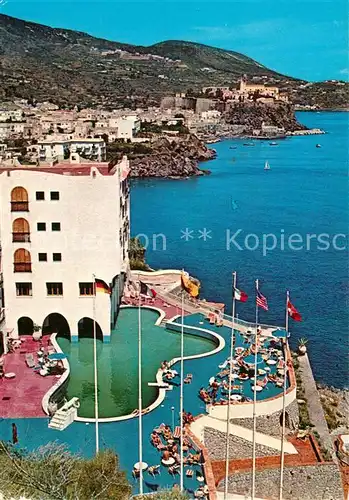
pixel 65 168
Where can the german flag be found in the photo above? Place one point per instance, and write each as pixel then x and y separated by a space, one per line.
pixel 101 286
pixel 188 285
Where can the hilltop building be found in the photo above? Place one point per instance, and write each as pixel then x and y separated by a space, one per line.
pixel 59 226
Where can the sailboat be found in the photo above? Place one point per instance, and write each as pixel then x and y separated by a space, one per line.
pixel 266 166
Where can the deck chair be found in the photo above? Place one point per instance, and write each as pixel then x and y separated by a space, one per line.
pixel 29 359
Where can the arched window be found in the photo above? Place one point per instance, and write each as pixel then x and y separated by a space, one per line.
pixel 20 230
pixel 22 261
pixel 19 200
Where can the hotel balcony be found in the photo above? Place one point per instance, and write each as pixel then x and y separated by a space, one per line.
pixel 21 237
pixel 22 267
pixel 19 206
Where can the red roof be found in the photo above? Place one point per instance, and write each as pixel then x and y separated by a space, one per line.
pixel 103 168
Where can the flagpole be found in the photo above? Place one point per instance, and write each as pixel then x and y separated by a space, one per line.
pixel 254 403
pixel 181 398
pixel 140 405
pixel 229 391
pixel 284 405
pixel 95 364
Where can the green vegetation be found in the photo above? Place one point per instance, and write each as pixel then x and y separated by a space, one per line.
pixel 137 255
pixel 53 473
pixel 173 494
pixel 304 419
pixel 132 150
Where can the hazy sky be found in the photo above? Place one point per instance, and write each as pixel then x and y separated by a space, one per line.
pixel 302 38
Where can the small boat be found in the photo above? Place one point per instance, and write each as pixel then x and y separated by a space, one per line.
pixel 273 143
pixel 318 146
pixel 248 144
pixel 266 166
pixel 233 147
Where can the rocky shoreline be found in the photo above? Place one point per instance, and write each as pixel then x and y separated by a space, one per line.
pixel 173 157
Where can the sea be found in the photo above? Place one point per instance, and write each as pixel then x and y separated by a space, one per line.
pixel 285 227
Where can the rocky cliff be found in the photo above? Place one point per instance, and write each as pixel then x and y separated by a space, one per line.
pixel 252 115
pixel 172 157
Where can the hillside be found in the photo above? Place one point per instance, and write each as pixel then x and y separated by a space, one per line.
pixel 73 67
pixel 70 67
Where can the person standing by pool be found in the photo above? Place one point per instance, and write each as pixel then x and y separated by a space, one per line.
pixel 14 433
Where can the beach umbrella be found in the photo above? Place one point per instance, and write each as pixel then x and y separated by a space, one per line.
pixel 57 356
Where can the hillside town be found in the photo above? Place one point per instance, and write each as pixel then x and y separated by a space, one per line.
pixel 36 133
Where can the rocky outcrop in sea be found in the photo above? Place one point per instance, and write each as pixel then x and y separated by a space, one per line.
pixel 173 157
pixel 253 115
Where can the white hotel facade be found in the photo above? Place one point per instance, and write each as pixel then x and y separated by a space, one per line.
pixel 60 226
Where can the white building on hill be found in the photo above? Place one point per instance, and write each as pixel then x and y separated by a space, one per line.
pixel 60 149
pixel 60 226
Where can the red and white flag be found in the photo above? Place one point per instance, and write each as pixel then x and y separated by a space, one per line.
pixel 292 311
pixel 239 295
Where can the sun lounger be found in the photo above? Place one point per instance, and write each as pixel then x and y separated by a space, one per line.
pixel 29 359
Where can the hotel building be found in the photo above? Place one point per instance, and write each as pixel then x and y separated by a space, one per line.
pixel 60 226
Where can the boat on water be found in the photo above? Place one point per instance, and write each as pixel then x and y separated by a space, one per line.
pixel 266 166
pixel 318 145
pixel 273 143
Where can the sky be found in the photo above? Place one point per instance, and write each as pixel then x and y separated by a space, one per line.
pixel 302 38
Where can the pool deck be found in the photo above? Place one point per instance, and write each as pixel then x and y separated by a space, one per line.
pixel 22 395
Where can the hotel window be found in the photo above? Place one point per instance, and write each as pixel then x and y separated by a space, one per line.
pixel 20 230
pixel 22 261
pixel 54 195
pixel 40 195
pixel 86 288
pixel 56 226
pixel 42 257
pixel 24 290
pixel 54 288
pixel 56 257
pixel 41 226
pixel 19 200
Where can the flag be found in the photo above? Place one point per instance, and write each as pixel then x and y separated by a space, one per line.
pixel 239 295
pixel 261 301
pixel 292 311
pixel 101 286
pixel 188 285
pixel 146 290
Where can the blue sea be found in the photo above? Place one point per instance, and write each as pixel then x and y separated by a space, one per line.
pixel 289 224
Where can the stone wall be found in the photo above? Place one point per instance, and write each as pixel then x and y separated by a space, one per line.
pixel 215 442
pixel 313 482
pixel 270 424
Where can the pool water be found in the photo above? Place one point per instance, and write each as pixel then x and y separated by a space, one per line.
pixel 118 363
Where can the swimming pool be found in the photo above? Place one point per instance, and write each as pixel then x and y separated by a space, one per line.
pixel 118 363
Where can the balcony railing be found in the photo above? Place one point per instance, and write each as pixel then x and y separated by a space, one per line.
pixel 21 237
pixel 19 206
pixel 22 267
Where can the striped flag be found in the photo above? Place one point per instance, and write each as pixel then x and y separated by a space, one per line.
pixel 261 301
pixel 101 286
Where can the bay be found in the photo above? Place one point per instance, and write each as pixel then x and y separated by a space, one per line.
pixel 188 224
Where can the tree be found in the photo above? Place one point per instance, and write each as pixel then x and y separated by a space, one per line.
pixel 53 473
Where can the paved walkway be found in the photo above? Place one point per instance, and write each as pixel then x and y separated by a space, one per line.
pixel 198 426
pixel 22 395
pixel 316 413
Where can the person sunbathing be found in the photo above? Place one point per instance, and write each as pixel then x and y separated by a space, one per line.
pixel 155 439
pixel 168 433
